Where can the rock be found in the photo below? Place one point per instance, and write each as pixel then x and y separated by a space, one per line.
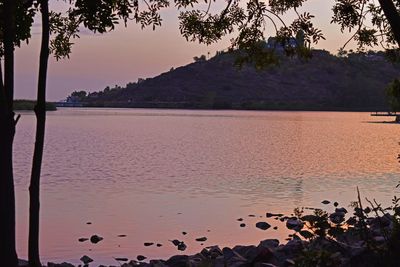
pixel 184 233
pixel 242 225
pixel 83 239
pixel 275 228
pixel 178 261
pixel 335 204
pixel 269 215
pixel 337 217
pixel 325 202
pixel 252 215
pixel 258 254
pixel 231 256
pixel 294 224
pixel 367 210
pixel 176 242
pixel 158 263
pixel 88 223
pixel 383 221
pixel 141 257
pixel 293 247
pixel 95 239
pixel 86 259
pixel 214 251
pixel 269 243
pixel 201 239
pixel 182 246
pixel 121 259
pixel 159 245
pixel 263 225
pixel 121 235
pixel 240 219
pixel 205 253
pixel 148 244
pixel 341 210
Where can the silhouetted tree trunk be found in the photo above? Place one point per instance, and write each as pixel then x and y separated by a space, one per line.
pixel 40 111
pixel 393 17
pixel 8 255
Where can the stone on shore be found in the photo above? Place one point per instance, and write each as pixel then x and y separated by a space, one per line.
pixel 269 243
pixel 95 239
pixel 141 258
pixel 294 224
pixel 178 261
pixel 263 225
pixel 337 217
pixel 86 259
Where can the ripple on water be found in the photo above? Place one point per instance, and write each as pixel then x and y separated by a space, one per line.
pixel 122 169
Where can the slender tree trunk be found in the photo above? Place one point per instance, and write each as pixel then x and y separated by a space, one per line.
pixel 40 111
pixel 393 17
pixel 8 255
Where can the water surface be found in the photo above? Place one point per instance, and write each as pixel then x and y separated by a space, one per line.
pixel 151 174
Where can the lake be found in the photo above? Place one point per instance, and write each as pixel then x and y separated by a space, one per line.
pixel 151 174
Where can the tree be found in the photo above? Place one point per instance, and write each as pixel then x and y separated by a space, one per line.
pixel 16 18
pixel 247 18
pixel 393 93
pixel 201 58
pixel 40 111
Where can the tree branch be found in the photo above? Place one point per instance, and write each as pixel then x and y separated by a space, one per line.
pixel 393 17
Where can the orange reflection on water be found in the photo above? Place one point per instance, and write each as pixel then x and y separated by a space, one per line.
pixel 151 174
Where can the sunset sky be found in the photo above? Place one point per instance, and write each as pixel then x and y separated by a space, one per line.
pixel 130 53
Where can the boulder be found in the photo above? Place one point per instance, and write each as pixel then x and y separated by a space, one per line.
pixel 341 210
pixel 86 259
pixel 294 224
pixel 95 239
pixel 263 225
pixel 269 243
pixel 337 217
pixel 178 261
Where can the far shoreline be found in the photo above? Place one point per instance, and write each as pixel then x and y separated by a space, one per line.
pixel 156 107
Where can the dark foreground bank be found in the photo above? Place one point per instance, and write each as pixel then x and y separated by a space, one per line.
pixel 369 235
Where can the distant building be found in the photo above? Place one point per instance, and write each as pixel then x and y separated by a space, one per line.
pixel 292 42
pixel 273 43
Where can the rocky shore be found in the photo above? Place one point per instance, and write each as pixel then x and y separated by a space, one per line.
pixel 368 236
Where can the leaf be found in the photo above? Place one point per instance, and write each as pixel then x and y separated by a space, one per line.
pixel 306 234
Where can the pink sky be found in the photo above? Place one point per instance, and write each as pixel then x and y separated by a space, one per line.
pixel 130 53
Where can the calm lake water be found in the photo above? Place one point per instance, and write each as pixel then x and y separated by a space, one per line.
pixel 151 174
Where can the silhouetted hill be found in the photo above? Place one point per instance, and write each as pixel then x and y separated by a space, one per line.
pixel 325 82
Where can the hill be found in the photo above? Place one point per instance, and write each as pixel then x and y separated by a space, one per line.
pixel 325 82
